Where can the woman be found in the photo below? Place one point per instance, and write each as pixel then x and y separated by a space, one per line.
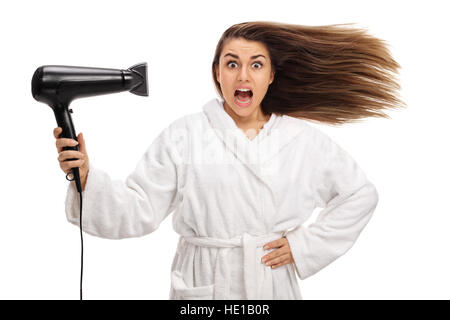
pixel 243 175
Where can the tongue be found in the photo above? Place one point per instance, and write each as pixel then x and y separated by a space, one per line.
pixel 244 95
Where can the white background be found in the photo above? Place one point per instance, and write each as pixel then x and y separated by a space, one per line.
pixel 403 253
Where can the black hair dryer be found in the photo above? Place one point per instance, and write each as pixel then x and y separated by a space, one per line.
pixel 57 86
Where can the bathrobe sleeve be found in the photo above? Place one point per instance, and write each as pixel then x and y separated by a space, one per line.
pixel 349 201
pixel 115 209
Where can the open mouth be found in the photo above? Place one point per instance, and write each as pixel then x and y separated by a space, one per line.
pixel 243 97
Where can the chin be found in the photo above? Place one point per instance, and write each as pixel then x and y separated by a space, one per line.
pixel 244 111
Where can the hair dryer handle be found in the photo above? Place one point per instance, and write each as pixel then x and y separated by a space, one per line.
pixel 64 120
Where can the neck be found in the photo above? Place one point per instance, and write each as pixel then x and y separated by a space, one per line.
pixel 253 121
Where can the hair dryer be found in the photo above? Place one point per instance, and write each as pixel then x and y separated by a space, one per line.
pixel 57 86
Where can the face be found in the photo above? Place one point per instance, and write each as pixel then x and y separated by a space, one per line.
pixel 247 64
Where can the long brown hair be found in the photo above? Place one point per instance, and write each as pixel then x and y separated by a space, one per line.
pixel 332 73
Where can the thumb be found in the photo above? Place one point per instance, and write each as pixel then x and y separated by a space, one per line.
pixel 82 143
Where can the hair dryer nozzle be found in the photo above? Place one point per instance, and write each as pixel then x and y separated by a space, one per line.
pixel 140 69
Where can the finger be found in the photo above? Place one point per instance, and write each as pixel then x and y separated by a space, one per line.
pixel 65 142
pixel 73 164
pixel 57 131
pixel 275 252
pixel 273 255
pixel 278 260
pixel 82 143
pixel 68 165
pixel 279 265
pixel 70 154
pixel 275 244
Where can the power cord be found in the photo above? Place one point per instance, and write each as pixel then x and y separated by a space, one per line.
pixel 81 234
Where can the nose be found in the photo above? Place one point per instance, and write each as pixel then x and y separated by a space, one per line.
pixel 243 74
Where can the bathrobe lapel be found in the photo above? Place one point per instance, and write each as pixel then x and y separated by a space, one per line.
pixel 255 154
pixel 275 135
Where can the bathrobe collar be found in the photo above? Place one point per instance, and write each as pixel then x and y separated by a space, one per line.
pixel 276 134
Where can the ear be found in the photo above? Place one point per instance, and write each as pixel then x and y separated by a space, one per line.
pixel 217 73
pixel 272 76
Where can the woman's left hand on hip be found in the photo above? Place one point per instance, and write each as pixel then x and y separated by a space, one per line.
pixel 280 256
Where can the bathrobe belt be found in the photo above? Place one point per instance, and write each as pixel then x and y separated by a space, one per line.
pixel 257 276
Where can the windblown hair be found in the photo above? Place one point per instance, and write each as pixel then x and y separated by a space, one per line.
pixel 330 74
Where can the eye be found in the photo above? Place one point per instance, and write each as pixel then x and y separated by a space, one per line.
pixel 258 63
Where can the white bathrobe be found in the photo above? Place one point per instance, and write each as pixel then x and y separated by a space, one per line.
pixel 229 196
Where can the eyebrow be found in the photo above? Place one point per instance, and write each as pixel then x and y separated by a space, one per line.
pixel 236 57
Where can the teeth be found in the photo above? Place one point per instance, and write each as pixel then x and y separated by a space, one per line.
pixel 243 90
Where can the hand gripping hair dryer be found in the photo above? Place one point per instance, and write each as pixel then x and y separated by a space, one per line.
pixel 57 86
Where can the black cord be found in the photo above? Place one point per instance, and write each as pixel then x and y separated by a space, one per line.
pixel 81 233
